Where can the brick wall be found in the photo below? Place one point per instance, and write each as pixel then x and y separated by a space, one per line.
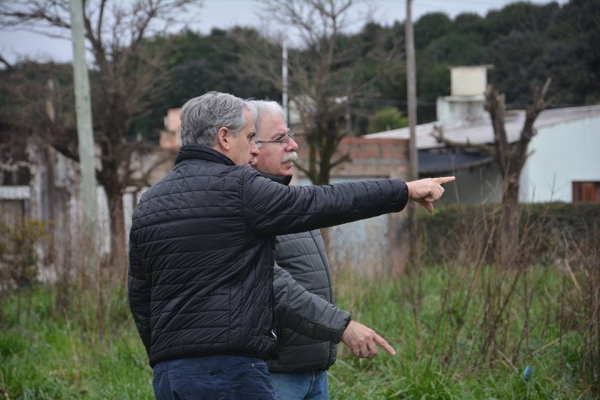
pixel 370 157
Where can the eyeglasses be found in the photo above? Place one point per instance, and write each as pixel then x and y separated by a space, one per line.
pixel 284 139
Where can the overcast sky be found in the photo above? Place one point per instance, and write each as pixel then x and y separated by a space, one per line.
pixel 227 13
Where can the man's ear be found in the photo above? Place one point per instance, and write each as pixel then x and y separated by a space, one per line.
pixel 223 138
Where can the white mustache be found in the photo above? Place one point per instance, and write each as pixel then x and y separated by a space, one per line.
pixel 293 156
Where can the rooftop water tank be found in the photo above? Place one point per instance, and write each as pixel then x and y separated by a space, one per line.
pixel 468 81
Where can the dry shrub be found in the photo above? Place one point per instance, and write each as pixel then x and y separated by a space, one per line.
pixel 557 238
pixel 20 253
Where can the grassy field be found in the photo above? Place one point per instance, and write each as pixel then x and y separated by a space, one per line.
pixel 460 333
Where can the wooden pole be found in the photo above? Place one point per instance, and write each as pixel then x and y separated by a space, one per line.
pixel 412 122
pixel 284 75
pixel 84 119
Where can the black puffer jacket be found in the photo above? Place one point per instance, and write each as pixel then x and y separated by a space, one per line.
pixel 201 241
pixel 304 256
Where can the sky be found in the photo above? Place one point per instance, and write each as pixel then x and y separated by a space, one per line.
pixel 228 13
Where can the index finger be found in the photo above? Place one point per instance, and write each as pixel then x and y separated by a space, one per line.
pixel 384 344
pixel 444 179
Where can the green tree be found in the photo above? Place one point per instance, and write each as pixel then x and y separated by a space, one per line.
pixel 519 17
pixel 387 119
pixel 430 27
pixel 200 63
pixel 456 49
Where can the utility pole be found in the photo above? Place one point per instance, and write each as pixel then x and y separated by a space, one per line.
pixel 284 75
pixel 83 110
pixel 412 122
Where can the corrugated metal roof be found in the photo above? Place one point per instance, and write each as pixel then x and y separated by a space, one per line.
pixel 481 131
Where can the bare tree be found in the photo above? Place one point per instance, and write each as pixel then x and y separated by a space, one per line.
pixel 510 158
pixel 325 73
pixel 129 74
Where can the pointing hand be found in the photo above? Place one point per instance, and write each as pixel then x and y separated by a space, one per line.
pixel 363 341
pixel 426 191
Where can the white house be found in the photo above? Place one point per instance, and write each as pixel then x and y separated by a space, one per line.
pixel 564 164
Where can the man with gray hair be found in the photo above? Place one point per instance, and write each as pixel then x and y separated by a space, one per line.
pixel 201 261
pixel 300 369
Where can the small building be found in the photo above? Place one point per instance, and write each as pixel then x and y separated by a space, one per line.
pixel 39 183
pixel 564 164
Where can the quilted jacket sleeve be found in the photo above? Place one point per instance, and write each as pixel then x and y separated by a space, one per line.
pixel 139 295
pixel 305 312
pixel 274 209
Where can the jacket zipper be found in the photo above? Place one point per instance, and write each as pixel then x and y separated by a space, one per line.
pixel 274 324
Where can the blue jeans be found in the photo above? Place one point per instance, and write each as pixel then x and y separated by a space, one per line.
pixel 213 378
pixel 301 385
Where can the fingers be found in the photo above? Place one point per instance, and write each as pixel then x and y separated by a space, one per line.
pixel 372 347
pixel 384 344
pixel 428 206
pixel 444 179
pixel 355 347
pixel 365 350
pixel 359 349
pixel 427 191
pixel 364 341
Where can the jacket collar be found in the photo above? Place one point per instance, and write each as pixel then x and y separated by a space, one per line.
pixel 199 152
pixel 284 180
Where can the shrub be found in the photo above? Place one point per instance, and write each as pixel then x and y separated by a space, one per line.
pixel 548 232
pixel 19 259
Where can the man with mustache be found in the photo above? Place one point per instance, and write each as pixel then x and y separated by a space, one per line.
pixel 300 369
pixel 201 262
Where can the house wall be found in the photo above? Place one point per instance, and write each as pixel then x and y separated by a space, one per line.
pixel 53 196
pixel 361 246
pixel 452 108
pixel 563 153
pixel 11 211
pixel 482 184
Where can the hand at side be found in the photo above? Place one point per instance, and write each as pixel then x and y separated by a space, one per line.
pixel 364 341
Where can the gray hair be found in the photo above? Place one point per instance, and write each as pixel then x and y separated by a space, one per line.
pixel 265 107
pixel 202 117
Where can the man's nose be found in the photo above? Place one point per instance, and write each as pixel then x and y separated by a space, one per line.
pixel 254 149
pixel 292 145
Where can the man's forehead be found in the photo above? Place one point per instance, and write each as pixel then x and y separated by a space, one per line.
pixel 271 124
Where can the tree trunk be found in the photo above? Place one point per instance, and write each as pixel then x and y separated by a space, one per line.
pixel 117 224
pixel 508 235
pixel 323 179
pixel 324 171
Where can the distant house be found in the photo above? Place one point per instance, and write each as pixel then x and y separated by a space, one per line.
pixel 40 183
pixel 564 164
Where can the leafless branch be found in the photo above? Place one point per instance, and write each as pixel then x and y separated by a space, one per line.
pixel 144 180
pixel 304 170
pixel 345 158
pixel 6 63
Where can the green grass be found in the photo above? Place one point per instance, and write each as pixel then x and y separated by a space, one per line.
pixel 449 364
pixel 48 354
pixel 44 356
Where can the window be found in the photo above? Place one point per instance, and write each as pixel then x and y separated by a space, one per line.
pixel 586 192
